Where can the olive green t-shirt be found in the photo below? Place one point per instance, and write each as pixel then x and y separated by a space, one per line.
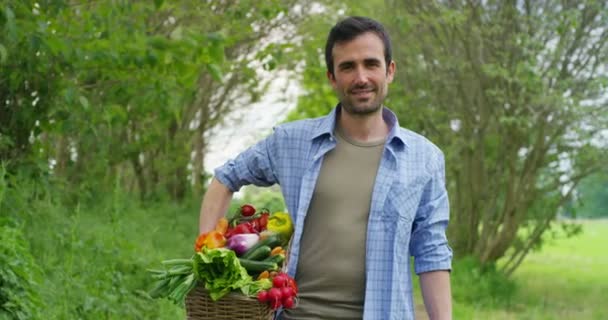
pixel 331 265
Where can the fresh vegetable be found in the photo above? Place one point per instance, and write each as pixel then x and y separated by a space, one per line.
pixel 254 267
pixel 277 250
pixel 241 243
pixel 255 287
pixel 288 302
pixel 271 241
pixel 260 253
pixel 292 283
pixel 248 243
pixel 274 297
pixel 280 223
pixel 219 269
pixel 263 296
pixel 278 259
pixel 282 292
pixel 243 227
pixel 211 240
pixel 260 222
pixel 247 210
pixel 279 281
pixel 222 225
pixel 264 275
pixel 175 282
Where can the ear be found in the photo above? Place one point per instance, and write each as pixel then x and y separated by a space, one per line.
pixel 390 71
pixel 331 78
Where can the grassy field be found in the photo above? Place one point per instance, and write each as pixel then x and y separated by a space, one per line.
pixel 566 279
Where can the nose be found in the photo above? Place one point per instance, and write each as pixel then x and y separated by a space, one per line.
pixel 360 76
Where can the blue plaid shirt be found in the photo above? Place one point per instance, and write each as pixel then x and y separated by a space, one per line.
pixel 409 211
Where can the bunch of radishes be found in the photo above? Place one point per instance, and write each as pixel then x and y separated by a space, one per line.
pixel 282 293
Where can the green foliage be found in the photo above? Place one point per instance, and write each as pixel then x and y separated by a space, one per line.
pixel 20 275
pixel 592 197
pixel 482 286
pixel 93 255
pixel 128 90
pixel 29 79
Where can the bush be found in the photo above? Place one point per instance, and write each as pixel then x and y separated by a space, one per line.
pixel 19 276
pixel 482 286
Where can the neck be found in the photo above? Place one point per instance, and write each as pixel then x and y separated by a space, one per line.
pixel 363 128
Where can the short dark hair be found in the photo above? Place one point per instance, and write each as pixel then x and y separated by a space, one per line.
pixel 350 28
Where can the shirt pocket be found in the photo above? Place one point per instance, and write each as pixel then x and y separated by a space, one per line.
pixel 402 201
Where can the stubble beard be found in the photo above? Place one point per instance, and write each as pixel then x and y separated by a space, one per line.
pixel 363 108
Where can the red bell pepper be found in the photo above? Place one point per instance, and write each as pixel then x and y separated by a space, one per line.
pixel 244 227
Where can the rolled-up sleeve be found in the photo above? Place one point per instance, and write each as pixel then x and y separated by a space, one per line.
pixel 252 166
pixel 428 244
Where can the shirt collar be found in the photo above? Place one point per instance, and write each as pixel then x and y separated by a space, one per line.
pixel 395 137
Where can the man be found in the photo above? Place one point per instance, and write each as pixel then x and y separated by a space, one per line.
pixel 364 194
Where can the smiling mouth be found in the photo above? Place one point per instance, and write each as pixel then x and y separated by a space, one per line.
pixel 361 93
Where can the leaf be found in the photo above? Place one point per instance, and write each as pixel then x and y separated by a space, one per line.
pixel 84 102
pixel 3 54
pixel 215 71
pixel 215 37
pixel 10 22
pixel 216 52
pixel 158 3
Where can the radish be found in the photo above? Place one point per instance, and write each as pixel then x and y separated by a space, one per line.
pixel 274 297
pixel 263 296
pixel 287 292
pixel 288 302
pixel 279 281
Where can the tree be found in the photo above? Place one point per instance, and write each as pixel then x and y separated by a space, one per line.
pixel 28 82
pixel 136 87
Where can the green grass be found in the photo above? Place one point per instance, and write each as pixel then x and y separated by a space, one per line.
pixel 566 279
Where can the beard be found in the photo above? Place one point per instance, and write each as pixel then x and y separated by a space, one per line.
pixel 362 106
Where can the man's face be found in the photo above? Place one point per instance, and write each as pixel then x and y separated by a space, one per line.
pixel 360 75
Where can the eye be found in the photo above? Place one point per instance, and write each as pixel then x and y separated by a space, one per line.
pixel 346 66
pixel 372 63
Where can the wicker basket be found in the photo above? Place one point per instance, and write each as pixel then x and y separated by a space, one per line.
pixel 233 306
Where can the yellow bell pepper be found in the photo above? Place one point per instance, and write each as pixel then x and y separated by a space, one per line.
pixel 280 223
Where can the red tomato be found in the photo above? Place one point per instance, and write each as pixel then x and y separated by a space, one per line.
pixel 247 210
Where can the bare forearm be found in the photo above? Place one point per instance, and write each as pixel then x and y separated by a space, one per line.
pixel 437 295
pixel 215 204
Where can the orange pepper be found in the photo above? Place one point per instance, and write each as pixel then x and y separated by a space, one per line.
pixel 214 240
pixel 264 275
pixel 277 250
pixel 200 240
pixel 211 240
pixel 222 226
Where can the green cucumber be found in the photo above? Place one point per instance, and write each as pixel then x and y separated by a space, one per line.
pixel 271 241
pixel 260 253
pixel 254 266
pixel 277 258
